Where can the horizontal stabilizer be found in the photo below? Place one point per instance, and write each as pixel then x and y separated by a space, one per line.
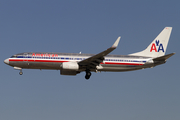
pixel 163 58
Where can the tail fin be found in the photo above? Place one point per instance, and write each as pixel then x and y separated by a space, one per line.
pixel 158 47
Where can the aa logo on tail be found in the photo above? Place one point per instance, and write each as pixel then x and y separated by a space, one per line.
pixel 157 47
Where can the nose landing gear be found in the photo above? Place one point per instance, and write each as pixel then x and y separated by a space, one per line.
pixel 20 73
pixel 88 74
pixel 18 68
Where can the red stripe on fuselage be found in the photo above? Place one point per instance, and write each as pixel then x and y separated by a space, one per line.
pixel 115 63
pixel 21 60
pixel 58 61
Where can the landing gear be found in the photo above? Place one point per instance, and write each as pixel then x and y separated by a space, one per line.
pixel 18 68
pixel 20 73
pixel 88 74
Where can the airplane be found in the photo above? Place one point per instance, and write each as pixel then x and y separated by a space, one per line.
pixel 75 63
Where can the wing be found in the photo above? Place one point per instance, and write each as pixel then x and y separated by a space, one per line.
pixel 93 61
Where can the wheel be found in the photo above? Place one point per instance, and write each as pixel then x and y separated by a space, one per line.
pixel 88 75
pixel 20 73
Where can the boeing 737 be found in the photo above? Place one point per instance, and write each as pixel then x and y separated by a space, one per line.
pixel 74 63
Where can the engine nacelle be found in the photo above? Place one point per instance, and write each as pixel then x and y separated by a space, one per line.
pixel 70 66
pixel 68 72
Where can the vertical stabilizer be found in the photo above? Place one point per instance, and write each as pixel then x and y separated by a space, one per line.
pixel 158 47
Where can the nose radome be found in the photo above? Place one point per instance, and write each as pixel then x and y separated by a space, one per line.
pixel 6 61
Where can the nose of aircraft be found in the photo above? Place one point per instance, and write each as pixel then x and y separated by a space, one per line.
pixel 6 61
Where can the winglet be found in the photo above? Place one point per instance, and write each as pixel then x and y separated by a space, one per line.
pixel 116 42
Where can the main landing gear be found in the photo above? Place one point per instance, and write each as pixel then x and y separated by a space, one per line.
pixel 88 74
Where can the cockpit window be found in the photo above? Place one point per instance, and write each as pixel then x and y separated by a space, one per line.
pixel 14 56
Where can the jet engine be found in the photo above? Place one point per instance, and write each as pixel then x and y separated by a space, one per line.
pixel 69 68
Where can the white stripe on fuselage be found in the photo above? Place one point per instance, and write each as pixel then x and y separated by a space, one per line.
pixel 110 63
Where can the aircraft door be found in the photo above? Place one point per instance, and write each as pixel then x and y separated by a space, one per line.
pixel 25 60
pixel 25 56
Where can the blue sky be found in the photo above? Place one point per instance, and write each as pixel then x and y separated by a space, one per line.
pixel 90 27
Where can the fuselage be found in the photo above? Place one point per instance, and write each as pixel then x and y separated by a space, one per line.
pixel 40 60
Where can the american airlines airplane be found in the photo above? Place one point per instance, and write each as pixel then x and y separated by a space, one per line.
pixel 74 63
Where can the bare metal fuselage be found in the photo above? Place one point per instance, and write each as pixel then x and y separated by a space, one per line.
pixel 116 63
